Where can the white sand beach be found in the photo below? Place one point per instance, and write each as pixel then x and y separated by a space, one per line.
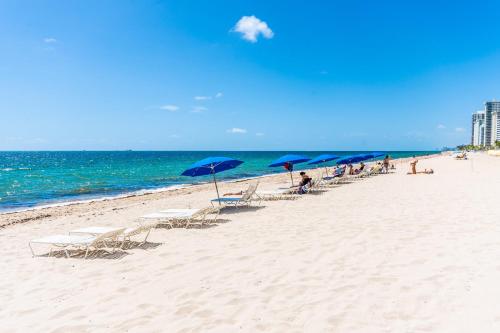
pixel 390 253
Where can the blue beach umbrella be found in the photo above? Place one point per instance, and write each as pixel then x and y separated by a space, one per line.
pixel 289 160
pixel 378 154
pixel 374 155
pixel 211 166
pixel 323 159
pixel 352 159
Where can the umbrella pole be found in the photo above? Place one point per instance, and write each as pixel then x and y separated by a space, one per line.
pixel 216 188
pixel 326 170
pixel 291 177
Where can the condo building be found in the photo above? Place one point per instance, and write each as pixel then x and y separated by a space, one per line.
pixel 478 128
pixel 486 125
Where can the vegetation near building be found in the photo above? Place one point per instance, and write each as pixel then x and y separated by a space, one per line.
pixel 472 147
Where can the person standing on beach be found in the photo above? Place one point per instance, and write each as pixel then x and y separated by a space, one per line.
pixel 386 164
pixel 413 165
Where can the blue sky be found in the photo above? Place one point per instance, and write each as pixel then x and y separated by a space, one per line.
pixel 174 75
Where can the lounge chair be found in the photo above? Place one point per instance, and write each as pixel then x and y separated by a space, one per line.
pixel 278 194
pixel 125 236
pixel 203 217
pixel 344 177
pixel 79 242
pixel 184 217
pixel 317 184
pixel 245 200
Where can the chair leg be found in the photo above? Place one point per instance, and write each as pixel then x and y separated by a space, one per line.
pixel 86 253
pixel 32 252
pixel 147 235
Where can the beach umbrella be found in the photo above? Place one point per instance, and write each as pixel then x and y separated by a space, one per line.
pixel 378 154
pixel 352 159
pixel 288 161
pixel 323 159
pixel 374 155
pixel 211 166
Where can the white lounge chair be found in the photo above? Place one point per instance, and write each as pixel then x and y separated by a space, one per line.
pixel 316 184
pixel 277 194
pixel 203 217
pixel 245 200
pixel 78 242
pixel 184 217
pixel 125 236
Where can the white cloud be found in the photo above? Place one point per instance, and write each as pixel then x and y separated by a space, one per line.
pixel 50 40
pixel 459 129
pixel 170 107
pixel 441 126
pixel 251 27
pixel 198 109
pixel 202 98
pixel 219 95
pixel 236 130
pixel 259 134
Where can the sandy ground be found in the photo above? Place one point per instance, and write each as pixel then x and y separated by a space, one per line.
pixel 391 253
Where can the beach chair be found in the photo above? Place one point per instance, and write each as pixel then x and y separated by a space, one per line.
pixel 315 185
pixel 184 217
pixel 124 237
pixel 278 194
pixel 203 217
pixel 79 242
pixel 343 178
pixel 245 200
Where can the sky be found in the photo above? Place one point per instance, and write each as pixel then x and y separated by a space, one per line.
pixel 245 75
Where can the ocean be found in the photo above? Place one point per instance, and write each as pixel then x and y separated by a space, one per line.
pixel 30 179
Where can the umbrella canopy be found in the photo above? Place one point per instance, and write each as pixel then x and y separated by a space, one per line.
pixel 374 155
pixel 323 158
pixel 378 154
pixel 211 166
pixel 290 158
pixel 352 159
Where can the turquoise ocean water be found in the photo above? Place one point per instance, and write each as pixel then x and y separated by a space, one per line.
pixel 29 179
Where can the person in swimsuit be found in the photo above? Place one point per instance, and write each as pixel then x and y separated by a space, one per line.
pixel 304 183
pixel 386 164
pixel 413 166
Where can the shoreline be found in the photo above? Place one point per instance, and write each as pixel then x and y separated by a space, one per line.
pixel 88 198
pixel 44 211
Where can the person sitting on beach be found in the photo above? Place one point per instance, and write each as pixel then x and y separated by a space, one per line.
pixel 376 168
pixel 232 194
pixel 361 167
pixel 428 172
pixel 339 171
pixel 304 183
pixel 350 171
pixel 305 179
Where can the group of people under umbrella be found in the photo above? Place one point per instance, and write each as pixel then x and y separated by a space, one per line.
pixel 213 165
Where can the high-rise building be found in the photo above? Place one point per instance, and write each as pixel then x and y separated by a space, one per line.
pixel 486 125
pixel 495 127
pixel 491 110
pixel 478 128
